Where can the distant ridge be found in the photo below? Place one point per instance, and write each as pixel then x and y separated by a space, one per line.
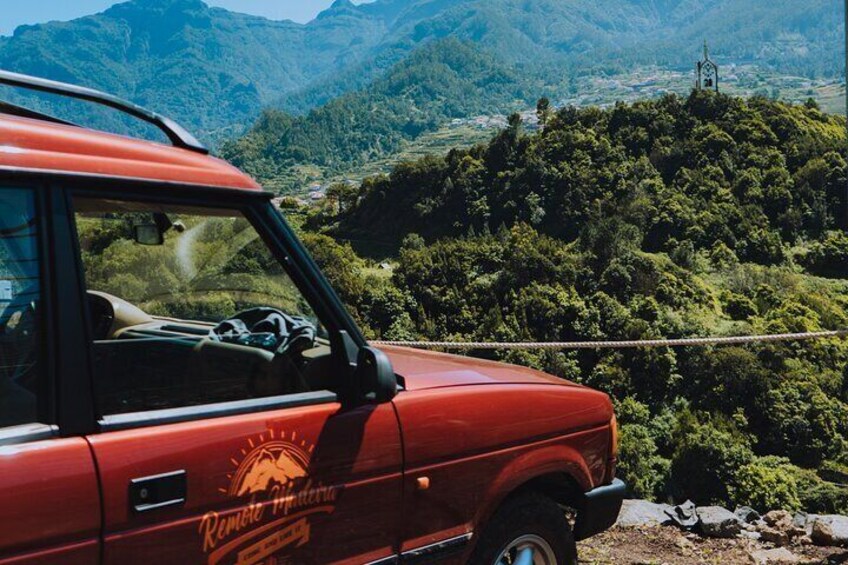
pixel 214 70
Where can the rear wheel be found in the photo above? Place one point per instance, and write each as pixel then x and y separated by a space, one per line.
pixel 529 529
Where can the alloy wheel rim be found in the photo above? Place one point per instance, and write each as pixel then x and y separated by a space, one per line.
pixel 528 549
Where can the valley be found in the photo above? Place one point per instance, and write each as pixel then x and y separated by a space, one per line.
pixel 642 84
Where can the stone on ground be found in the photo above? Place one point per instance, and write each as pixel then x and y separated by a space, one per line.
pixel 799 519
pixel 746 514
pixel 636 513
pixel 773 535
pixel 777 556
pixel 718 522
pixel 829 530
pixel 779 520
pixel 684 515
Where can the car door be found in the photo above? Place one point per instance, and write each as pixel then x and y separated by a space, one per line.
pixel 214 446
pixel 49 498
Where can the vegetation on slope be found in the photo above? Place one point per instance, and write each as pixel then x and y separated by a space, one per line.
pixel 206 67
pixel 213 70
pixel 447 79
pixel 757 176
pixel 678 217
pixel 607 37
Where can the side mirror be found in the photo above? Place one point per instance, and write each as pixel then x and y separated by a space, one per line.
pixel 375 374
pixel 148 234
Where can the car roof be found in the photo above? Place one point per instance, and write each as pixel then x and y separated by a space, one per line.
pixel 28 144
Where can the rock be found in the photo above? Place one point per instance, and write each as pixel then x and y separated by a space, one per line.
pixel 746 514
pixel 829 530
pixel 636 513
pixel 750 535
pixel 684 515
pixel 811 519
pixel 778 556
pixel 773 535
pixel 822 534
pixel 803 540
pixel 718 522
pixel 795 532
pixel 779 519
pixel 799 520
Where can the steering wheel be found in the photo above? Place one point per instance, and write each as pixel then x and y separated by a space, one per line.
pixel 273 330
pixel 268 328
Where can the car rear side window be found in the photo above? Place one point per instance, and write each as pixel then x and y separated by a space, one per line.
pixel 190 307
pixel 20 302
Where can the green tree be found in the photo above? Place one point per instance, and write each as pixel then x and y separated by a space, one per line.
pixel 543 110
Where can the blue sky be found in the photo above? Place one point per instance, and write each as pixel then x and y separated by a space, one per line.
pixel 16 12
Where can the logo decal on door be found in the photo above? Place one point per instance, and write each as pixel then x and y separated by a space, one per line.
pixel 279 499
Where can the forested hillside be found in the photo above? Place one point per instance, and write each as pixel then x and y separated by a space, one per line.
pixel 214 70
pixel 797 37
pixel 754 175
pixel 446 79
pixel 485 57
pixel 678 217
pixel 206 67
pixel 573 37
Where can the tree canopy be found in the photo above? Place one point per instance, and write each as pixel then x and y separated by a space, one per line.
pixel 669 218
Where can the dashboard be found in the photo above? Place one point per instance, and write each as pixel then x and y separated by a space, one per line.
pixel 139 351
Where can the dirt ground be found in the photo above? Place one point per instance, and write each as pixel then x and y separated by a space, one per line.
pixel 669 546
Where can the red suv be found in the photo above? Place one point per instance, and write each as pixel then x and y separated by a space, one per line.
pixel 179 384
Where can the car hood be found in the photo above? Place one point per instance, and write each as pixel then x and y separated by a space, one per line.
pixel 426 369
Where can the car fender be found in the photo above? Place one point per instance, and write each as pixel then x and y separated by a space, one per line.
pixel 551 459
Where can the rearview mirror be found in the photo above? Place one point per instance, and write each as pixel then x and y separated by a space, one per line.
pixel 148 234
pixel 375 374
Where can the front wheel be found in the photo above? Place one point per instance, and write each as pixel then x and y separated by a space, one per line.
pixel 529 529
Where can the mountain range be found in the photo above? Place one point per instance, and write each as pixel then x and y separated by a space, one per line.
pixel 214 70
pixel 440 81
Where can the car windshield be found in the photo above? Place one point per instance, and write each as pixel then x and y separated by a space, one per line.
pixel 198 264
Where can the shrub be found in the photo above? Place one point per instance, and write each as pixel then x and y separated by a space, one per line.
pixel 725 379
pixel 631 411
pixel 684 254
pixel 644 471
pixel 829 257
pixel 762 246
pixel 739 307
pixel 822 497
pixel 797 419
pixel 706 460
pixel 764 487
pixel 813 494
pixel 722 257
pixel 834 471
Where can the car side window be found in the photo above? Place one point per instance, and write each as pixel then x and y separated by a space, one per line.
pixel 20 298
pixel 189 307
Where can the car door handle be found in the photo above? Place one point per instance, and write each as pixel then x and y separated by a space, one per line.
pixel 158 491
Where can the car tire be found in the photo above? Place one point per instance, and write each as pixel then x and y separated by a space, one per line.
pixel 532 520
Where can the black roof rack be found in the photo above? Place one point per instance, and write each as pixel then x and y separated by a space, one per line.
pixel 176 133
